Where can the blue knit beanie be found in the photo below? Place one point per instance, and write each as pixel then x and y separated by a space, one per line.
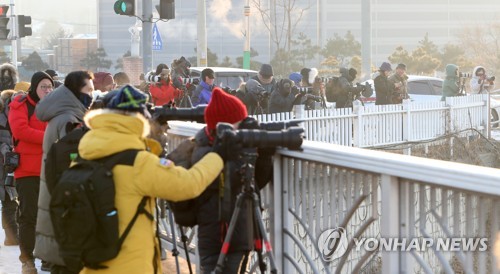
pixel 129 98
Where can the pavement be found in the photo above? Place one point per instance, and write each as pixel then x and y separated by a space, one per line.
pixel 10 264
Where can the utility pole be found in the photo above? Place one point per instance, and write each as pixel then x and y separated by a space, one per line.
pixel 201 49
pixel 366 39
pixel 13 28
pixel 246 50
pixel 147 35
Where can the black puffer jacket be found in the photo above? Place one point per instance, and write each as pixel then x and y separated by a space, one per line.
pixel 383 89
pixel 211 225
pixel 282 98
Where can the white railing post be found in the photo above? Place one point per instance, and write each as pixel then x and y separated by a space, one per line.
pixel 358 126
pixel 407 126
pixel 389 220
pixel 486 115
pixel 276 212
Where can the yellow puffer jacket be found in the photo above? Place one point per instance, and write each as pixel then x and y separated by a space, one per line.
pixel 150 176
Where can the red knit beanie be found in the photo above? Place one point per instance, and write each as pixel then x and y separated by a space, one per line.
pixel 224 107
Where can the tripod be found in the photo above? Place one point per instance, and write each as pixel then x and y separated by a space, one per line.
pixel 249 197
pixel 462 88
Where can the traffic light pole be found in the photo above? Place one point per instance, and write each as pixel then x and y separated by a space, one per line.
pixel 13 20
pixel 147 35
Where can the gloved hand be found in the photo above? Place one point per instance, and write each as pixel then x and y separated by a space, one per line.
pixel 227 146
pixel 249 123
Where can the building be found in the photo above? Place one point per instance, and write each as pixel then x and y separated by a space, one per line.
pixel 71 51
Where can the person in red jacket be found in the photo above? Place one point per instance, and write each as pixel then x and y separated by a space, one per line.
pixel 163 91
pixel 27 134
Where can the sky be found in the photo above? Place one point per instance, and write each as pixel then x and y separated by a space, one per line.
pixel 80 13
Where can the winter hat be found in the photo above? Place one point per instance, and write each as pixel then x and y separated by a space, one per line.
pixel 128 99
pixel 385 67
pixel 102 79
pixel 401 66
pixel 35 80
pixel 51 72
pixel 266 70
pixel 295 77
pixel 22 86
pixel 305 73
pixel 224 107
pixel 312 75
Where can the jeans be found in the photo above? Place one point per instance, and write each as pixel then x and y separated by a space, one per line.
pixel 27 189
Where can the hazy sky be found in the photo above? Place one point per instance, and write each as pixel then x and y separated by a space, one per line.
pixel 80 13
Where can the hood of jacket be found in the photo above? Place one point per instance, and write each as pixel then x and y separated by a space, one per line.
pixel 114 131
pixel 451 71
pixel 57 102
pixel 8 76
pixel 344 72
pixel 476 69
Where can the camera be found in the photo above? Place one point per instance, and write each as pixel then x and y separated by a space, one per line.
pixel 152 78
pixel 490 79
pixel 190 81
pixel 276 126
pixel 229 90
pixel 290 138
pixel 322 79
pixel 11 162
pixel 302 90
pixel 464 75
pixel 166 113
pixel 366 89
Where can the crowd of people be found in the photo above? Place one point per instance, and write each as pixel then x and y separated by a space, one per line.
pixel 35 115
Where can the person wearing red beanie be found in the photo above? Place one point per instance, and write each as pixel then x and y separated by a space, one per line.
pixel 204 210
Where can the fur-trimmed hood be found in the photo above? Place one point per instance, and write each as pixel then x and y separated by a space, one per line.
pixel 8 76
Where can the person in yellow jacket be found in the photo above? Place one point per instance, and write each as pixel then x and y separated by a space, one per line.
pixel 123 126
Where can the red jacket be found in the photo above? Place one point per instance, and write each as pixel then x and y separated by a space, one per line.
pixel 163 93
pixel 29 135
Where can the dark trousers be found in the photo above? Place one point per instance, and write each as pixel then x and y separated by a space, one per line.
pixel 232 264
pixel 9 223
pixel 58 269
pixel 27 189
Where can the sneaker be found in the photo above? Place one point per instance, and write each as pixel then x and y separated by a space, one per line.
pixel 46 266
pixel 29 268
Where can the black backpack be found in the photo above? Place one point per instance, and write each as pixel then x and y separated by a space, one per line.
pixel 61 153
pixel 83 212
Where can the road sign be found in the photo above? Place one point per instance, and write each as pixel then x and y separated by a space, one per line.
pixel 157 43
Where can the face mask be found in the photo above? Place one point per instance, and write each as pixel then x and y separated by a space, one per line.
pixel 86 99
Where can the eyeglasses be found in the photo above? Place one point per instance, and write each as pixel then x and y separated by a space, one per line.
pixel 46 87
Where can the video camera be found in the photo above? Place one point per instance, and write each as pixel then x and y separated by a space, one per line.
pixel 490 79
pixel 167 113
pixel 464 75
pixel 365 89
pixel 290 138
pixel 190 81
pixel 229 90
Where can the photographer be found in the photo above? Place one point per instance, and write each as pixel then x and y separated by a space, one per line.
pixel 383 86
pixel 256 97
pixel 480 82
pixel 266 78
pixel 203 91
pixel 399 82
pixel 451 83
pixel 347 91
pixel 282 98
pixel 211 225
pixel 317 87
pixel 161 88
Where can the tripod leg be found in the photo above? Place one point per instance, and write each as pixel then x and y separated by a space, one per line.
pixel 262 232
pixel 175 252
pixel 184 239
pixel 227 240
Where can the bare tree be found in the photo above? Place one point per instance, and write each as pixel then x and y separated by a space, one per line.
pixel 482 46
pixel 281 18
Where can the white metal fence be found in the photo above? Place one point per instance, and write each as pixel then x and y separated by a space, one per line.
pixel 369 126
pixel 375 194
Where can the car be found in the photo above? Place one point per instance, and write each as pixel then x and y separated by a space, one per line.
pixel 226 77
pixel 428 89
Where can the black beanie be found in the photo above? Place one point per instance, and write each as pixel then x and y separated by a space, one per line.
pixel 35 80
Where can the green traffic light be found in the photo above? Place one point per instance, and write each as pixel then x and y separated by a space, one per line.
pixel 124 7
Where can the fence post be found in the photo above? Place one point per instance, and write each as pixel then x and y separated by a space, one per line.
pixel 389 220
pixel 487 113
pixel 407 126
pixel 357 130
pixel 450 128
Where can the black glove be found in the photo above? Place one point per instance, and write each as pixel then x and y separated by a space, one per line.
pixel 249 123
pixel 227 147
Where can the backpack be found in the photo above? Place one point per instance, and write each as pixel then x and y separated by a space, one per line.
pixel 83 212
pixel 61 154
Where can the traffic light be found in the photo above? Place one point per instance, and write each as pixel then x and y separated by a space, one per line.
pixel 23 23
pixel 125 7
pixel 4 22
pixel 166 9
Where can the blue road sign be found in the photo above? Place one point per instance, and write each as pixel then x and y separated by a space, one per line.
pixel 157 43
